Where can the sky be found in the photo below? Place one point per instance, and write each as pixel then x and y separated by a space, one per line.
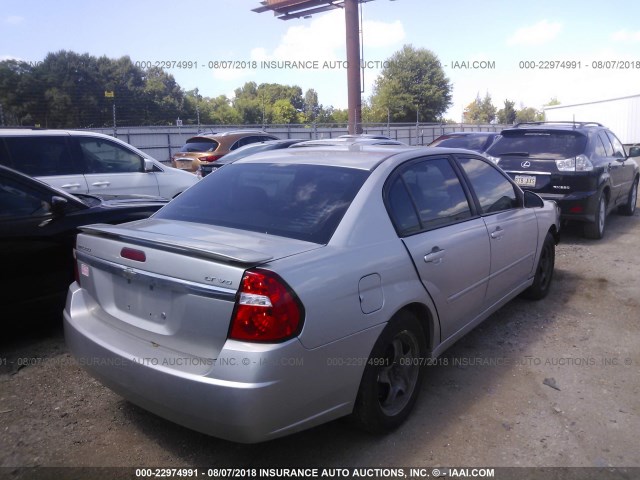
pixel 502 48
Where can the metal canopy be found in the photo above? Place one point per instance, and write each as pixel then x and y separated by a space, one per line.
pixel 290 9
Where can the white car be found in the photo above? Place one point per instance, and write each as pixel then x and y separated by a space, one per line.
pixel 87 162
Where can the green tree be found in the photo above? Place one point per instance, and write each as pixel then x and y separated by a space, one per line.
pixel 480 110
pixel 283 112
pixel 256 103
pixel 219 111
pixel 528 114
pixel 411 80
pixel 507 114
pixel 311 105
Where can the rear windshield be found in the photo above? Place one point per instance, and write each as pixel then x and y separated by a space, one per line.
pixel 245 151
pixel 305 202
pixel 199 145
pixel 539 144
pixel 470 142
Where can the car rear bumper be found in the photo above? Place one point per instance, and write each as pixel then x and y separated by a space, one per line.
pixel 578 206
pixel 250 393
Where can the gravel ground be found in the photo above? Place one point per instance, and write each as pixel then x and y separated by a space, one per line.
pixel 549 383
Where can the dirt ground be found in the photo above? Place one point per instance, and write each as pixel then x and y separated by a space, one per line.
pixel 549 383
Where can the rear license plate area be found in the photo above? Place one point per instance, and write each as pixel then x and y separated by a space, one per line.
pixel 143 298
pixel 525 180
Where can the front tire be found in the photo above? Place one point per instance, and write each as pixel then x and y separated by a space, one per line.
pixel 595 230
pixel 393 376
pixel 544 271
pixel 630 208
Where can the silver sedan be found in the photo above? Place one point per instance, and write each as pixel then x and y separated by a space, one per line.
pixel 301 285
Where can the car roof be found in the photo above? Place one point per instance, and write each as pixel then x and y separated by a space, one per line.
pixel 366 135
pixel 364 157
pixel 466 134
pixel 14 132
pixel 558 125
pixel 337 141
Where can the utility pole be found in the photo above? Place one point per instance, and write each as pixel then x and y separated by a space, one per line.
pixel 417 121
pixel 1 116
pixel 351 16
pixel 291 9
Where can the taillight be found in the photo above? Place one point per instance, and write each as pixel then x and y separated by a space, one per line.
pixel 267 310
pixel 210 158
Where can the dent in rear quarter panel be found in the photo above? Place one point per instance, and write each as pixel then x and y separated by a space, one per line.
pixel 547 217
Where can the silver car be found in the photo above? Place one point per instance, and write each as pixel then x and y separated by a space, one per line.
pixel 301 285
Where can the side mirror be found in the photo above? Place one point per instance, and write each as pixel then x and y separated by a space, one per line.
pixel 634 152
pixel 58 205
pixel 148 165
pixel 532 200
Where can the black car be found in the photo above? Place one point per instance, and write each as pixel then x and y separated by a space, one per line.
pixel 476 141
pixel 206 168
pixel 38 225
pixel 581 165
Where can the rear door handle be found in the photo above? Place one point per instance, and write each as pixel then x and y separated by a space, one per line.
pixel 71 185
pixel 435 256
pixel 497 233
pixel 101 184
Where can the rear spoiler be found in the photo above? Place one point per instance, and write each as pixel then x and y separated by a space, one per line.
pixel 184 246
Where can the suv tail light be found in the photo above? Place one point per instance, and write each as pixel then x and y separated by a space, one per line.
pixel 267 310
pixel 581 163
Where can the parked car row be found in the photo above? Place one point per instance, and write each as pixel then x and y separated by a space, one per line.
pixel 245 143
pixel 305 280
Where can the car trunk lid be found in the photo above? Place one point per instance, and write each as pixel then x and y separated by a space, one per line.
pixel 172 284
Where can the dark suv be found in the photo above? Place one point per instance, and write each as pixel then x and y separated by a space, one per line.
pixel 581 165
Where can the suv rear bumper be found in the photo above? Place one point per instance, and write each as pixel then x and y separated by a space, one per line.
pixel 578 206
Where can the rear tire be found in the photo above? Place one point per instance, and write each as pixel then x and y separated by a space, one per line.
pixel 595 230
pixel 393 376
pixel 630 208
pixel 544 271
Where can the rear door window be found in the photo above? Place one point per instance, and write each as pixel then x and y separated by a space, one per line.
pixel 608 148
pixel 426 195
pixel 618 149
pixel 41 156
